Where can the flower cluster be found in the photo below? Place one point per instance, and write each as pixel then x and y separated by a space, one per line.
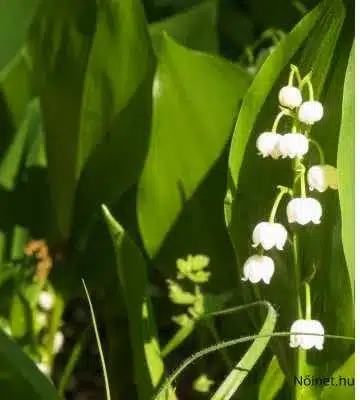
pixel 46 303
pixel 300 209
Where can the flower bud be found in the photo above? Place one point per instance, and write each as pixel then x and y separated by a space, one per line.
pixel 46 300
pixel 257 268
pixel 269 235
pixel 310 112
pixel 267 144
pixel 304 210
pixel 293 145
pixel 290 97
pixel 320 177
pixel 307 341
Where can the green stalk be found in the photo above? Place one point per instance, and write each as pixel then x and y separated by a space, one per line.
pixel 71 363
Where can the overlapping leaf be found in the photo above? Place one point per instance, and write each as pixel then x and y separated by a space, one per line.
pixel 19 376
pixel 195 99
pixel 131 268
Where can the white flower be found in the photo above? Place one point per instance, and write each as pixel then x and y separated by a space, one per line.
pixel 267 144
pixel 293 145
pixel 257 268
pixel 58 341
pixel 46 300
pixel 304 210
pixel 310 112
pixel 306 342
pixel 269 235
pixel 290 97
pixel 320 177
pixel 44 368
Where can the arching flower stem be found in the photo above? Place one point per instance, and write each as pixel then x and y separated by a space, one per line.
pixel 283 190
pixel 281 114
pixel 319 149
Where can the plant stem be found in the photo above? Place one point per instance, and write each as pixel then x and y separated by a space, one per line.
pixel 320 150
pixel 70 365
pixel 283 191
pixel 307 300
pixel 277 120
pixel 300 354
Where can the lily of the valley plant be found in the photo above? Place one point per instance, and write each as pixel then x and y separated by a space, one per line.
pixel 301 209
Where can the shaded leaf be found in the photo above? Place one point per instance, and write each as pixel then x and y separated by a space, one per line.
pixel 343 382
pixel 15 19
pixel 132 275
pixel 195 99
pixel 19 376
pixel 272 381
pixel 194 28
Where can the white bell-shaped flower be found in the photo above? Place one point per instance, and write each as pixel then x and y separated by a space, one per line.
pixel 320 177
pixel 304 210
pixel 257 268
pixel 58 341
pixel 310 112
pixel 267 144
pixel 46 300
pixel 290 97
pixel 269 235
pixel 307 341
pixel 44 368
pixel 293 145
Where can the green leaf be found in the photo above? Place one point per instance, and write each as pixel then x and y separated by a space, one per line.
pixel 19 376
pixel 131 268
pixel 92 59
pixel 59 46
pixel 117 91
pixel 15 18
pixel 196 97
pixel 346 168
pixel 272 381
pixel 15 87
pixel 194 28
pixel 236 377
pixel 343 386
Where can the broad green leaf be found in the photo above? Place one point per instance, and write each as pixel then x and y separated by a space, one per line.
pixel 236 377
pixel 195 97
pixel 131 268
pixel 15 18
pixel 194 27
pixel 342 382
pixel 15 87
pixel 112 135
pixel 92 58
pixel 346 168
pixel 59 45
pixel 19 376
pixel 272 381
